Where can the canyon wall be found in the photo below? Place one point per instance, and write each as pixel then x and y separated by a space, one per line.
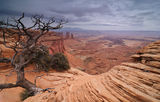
pixel 55 41
pixel 69 35
pixel 137 81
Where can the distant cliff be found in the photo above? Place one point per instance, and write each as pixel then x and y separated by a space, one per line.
pixel 55 41
pixel 138 81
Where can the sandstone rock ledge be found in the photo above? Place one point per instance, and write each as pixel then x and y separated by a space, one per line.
pixel 129 82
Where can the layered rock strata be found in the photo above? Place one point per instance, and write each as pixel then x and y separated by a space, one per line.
pixel 129 82
pixel 54 41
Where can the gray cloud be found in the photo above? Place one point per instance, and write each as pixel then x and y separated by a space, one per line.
pixel 9 12
pixel 81 9
pixel 92 14
pixel 14 13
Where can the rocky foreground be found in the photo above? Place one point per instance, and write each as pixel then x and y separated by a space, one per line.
pixel 138 81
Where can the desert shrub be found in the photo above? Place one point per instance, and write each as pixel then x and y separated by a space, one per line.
pixel 25 94
pixel 59 62
pixel 41 58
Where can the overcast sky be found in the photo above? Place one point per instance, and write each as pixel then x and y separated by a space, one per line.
pixel 92 14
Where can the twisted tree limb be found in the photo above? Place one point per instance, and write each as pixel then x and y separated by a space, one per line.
pixel 25 40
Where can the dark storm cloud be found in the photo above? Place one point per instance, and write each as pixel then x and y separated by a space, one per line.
pixel 9 12
pixel 146 13
pixel 13 13
pixel 80 11
pixel 94 24
pixel 92 14
pixel 103 24
pixel 80 19
pixel 146 4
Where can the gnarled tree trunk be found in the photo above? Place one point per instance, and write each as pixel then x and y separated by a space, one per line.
pixel 22 40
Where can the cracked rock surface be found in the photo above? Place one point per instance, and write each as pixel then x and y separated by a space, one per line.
pixel 137 81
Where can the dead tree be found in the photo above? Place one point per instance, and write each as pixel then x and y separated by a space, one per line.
pixel 23 41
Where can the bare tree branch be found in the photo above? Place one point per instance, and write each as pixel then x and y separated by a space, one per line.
pixel 23 41
pixel 9 85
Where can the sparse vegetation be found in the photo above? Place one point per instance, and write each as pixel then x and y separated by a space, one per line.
pixel 42 58
pixel 59 62
pixel 23 40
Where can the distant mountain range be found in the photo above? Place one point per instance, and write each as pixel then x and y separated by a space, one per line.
pixel 110 32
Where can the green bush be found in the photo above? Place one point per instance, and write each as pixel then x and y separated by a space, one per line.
pixel 41 58
pixel 25 94
pixel 59 62
pixel 42 62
